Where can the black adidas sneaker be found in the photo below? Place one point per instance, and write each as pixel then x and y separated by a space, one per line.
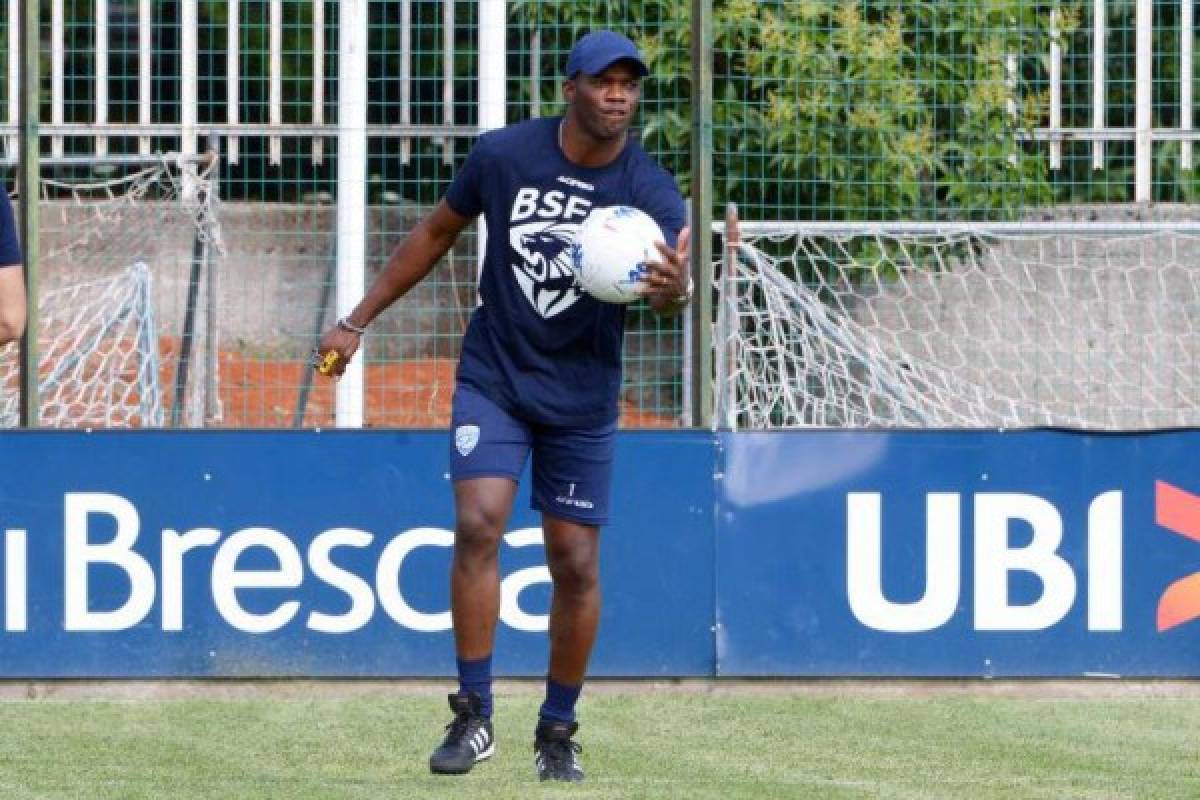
pixel 554 751
pixel 468 739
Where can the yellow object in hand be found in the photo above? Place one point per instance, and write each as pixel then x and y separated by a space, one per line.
pixel 328 362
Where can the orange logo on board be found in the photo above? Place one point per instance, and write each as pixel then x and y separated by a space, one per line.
pixel 1178 511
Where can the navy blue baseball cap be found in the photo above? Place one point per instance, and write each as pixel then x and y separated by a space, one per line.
pixel 599 50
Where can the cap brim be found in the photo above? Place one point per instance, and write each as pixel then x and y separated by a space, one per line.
pixel 602 64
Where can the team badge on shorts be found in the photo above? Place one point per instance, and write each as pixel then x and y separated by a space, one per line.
pixel 465 438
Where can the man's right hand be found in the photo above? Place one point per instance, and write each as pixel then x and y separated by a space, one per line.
pixel 339 342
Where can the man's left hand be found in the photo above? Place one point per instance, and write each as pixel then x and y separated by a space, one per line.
pixel 667 281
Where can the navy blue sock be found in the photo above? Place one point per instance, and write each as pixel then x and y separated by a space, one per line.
pixel 476 676
pixel 560 701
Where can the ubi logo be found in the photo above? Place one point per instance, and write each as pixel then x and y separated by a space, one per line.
pixel 996 561
pixel 1179 512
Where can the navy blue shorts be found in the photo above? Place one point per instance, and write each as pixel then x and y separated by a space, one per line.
pixel 572 467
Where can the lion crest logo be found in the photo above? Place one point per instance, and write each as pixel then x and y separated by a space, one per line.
pixel 543 267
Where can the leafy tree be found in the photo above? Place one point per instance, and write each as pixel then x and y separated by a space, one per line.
pixel 846 110
pixel 836 109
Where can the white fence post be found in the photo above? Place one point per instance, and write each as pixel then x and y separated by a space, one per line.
pixel 448 78
pixel 492 71
pixel 101 76
pixel 233 74
pixel 275 82
pixel 1143 102
pixel 57 68
pixel 405 77
pixel 1010 104
pixel 145 71
pixel 1186 36
pixel 351 195
pixel 14 75
pixel 1099 35
pixel 189 99
pixel 492 76
pixel 1055 91
pixel 535 73
pixel 318 79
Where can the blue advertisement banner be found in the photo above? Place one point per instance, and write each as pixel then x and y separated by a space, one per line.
pixel 1030 553
pixel 152 553
pixel 801 553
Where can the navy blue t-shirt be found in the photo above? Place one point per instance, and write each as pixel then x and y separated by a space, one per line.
pixel 10 250
pixel 537 345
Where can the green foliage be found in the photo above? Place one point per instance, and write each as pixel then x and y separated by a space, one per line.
pixel 852 109
pixel 825 109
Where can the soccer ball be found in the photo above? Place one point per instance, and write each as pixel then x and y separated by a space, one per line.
pixel 611 250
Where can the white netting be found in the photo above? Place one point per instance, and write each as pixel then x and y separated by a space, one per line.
pixel 921 326
pixel 110 252
pixel 99 361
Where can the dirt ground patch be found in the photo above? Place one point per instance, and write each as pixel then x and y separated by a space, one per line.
pixel 264 393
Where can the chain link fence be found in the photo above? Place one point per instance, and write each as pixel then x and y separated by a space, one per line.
pixel 822 111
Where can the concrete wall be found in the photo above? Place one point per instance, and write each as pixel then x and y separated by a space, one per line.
pixel 1101 331
pixel 276 261
pixel 1107 331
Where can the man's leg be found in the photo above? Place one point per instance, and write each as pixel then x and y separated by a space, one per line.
pixel 573 556
pixel 481 509
pixel 488 453
pixel 572 476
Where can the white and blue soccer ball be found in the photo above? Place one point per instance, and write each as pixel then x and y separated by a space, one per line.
pixel 611 250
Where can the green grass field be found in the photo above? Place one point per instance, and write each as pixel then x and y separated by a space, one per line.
pixel 639 743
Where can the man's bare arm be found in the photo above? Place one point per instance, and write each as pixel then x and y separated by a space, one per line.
pixel 12 303
pixel 411 261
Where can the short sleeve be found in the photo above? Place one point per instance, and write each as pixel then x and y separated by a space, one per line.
pixel 464 194
pixel 660 198
pixel 10 248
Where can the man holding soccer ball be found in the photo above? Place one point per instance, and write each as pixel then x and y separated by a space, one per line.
pixel 540 373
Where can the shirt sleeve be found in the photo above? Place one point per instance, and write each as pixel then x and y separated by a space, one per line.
pixel 660 199
pixel 10 248
pixel 464 195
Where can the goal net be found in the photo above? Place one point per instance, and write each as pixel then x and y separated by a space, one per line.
pixel 114 254
pixel 976 326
